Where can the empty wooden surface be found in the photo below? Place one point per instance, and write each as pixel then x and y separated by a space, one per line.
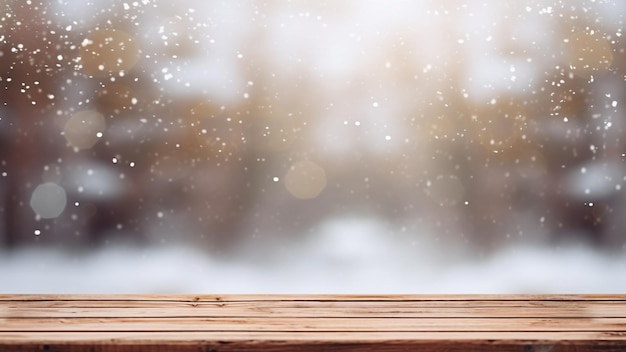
pixel 313 323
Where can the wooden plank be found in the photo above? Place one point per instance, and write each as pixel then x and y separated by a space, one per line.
pixel 182 336
pixel 399 308
pixel 128 303
pixel 264 310
pixel 315 298
pixel 223 342
pixel 313 323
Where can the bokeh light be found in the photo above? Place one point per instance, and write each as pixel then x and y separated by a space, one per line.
pixel 48 200
pixel 305 180
pixel 84 128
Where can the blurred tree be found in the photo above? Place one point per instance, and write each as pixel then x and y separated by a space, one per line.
pixel 32 61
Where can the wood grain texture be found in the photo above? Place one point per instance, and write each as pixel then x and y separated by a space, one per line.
pixel 214 323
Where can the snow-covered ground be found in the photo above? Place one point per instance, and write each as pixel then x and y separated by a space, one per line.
pixel 347 256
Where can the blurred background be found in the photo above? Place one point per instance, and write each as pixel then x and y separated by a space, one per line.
pixel 258 146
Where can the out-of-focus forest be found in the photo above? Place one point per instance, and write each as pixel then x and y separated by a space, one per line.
pixel 217 123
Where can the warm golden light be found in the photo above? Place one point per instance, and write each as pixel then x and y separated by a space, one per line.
pixel 84 129
pixel 305 180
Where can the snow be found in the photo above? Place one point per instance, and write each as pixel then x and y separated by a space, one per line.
pixel 357 87
pixel 346 256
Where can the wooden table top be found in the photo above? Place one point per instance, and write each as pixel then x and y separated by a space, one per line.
pixel 313 322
